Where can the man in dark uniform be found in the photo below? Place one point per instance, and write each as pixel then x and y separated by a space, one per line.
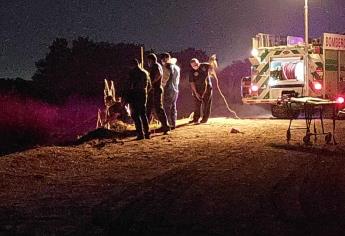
pixel 136 96
pixel 155 97
pixel 201 86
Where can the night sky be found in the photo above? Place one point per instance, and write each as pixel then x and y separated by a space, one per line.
pixel 225 27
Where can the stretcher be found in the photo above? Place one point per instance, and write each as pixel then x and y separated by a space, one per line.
pixel 313 109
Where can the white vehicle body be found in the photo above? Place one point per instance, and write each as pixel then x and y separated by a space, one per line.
pixel 279 66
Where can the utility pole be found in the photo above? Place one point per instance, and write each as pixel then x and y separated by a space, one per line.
pixel 306 45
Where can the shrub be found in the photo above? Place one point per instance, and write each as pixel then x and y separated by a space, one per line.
pixel 24 122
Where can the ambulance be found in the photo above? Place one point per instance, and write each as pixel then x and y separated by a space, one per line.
pixel 284 67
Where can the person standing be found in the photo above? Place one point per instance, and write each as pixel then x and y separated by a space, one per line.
pixel 171 80
pixel 200 82
pixel 155 97
pixel 136 96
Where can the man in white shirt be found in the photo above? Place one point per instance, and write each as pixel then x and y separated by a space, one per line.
pixel 170 81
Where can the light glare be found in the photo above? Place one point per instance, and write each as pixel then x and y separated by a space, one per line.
pixel 255 52
pixel 317 86
pixel 340 100
pixel 255 88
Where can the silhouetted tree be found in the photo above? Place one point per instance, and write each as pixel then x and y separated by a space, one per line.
pixel 103 60
pixel 81 69
pixel 230 79
pixel 17 87
pixel 53 72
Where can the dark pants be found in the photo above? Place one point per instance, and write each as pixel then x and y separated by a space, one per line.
pixel 138 112
pixel 170 99
pixel 155 102
pixel 204 105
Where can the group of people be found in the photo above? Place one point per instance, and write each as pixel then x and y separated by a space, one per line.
pixel 156 90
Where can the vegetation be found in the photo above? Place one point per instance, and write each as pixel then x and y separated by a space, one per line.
pixel 67 89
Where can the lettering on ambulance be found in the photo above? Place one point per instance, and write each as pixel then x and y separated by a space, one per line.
pixel 335 42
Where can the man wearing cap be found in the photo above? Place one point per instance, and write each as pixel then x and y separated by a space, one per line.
pixel 200 82
pixel 171 79
pixel 155 97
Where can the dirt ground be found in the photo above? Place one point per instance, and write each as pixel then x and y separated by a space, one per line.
pixel 198 180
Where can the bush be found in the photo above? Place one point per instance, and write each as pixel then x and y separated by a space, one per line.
pixel 24 123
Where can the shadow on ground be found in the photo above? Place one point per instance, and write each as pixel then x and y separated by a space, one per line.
pixel 328 150
pixel 102 133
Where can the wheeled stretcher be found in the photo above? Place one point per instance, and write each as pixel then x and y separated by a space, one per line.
pixel 313 109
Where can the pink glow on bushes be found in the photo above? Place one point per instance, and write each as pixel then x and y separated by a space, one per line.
pixel 26 122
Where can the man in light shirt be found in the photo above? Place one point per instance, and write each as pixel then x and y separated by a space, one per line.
pixel 170 81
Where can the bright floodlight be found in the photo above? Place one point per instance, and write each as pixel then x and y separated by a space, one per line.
pixel 255 52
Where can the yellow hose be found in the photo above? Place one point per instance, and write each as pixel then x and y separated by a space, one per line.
pixel 222 95
pixel 214 65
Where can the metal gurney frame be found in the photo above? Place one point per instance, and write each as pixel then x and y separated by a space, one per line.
pixel 313 109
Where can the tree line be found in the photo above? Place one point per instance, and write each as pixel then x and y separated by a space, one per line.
pixel 79 67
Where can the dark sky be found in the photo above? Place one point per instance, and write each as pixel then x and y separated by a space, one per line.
pixel 225 27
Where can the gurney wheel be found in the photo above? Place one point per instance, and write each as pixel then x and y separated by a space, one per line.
pixel 306 139
pixel 328 138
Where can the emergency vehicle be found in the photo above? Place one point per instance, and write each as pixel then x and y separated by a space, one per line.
pixel 280 67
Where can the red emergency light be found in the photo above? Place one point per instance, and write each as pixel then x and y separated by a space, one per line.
pixel 254 88
pixel 317 86
pixel 340 100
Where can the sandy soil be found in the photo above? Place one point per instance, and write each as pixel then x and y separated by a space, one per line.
pixel 198 180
